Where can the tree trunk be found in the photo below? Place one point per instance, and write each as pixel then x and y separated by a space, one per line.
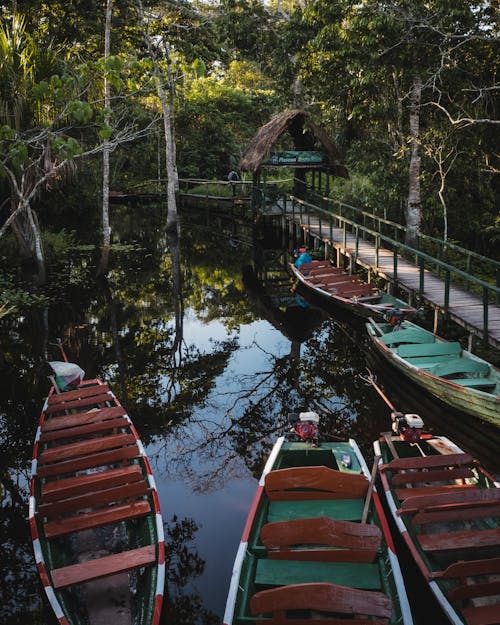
pixel 37 246
pixel 413 209
pixel 106 229
pixel 172 181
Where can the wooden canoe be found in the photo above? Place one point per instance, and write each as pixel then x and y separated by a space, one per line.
pixel 450 373
pixel 94 512
pixel 347 291
pixel 447 508
pixel 306 550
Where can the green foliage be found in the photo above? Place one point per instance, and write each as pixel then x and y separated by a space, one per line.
pixel 66 147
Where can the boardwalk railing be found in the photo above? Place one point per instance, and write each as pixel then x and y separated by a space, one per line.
pixel 459 257
pixel 326 221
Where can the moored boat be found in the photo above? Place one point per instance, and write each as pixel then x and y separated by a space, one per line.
pixel 316 545
pixel 443 368
pixel 348 291
pixel 447 508
pixel 94 512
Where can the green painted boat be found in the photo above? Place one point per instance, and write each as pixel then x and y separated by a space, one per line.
pixel 309 552
pixel 447 508
pixel 347 291
pixel 454 375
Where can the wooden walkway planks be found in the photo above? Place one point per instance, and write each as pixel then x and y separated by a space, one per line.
pixel 464 308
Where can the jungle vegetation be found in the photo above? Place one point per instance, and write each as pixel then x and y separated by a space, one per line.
pixel 408 91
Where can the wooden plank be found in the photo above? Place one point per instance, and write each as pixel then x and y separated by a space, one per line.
pixel 323 597
pixel 73 486
pixel 112 514
pixel 431 476
pixel 472 591
pixel 83 430
pixel 468 497
pixel 81 392
pixel 294 540
pixel 466 568
pixel 103 567
pixel 428 462
pixel 81 403
pixel 314 482
pixel 404 493
pixel 82 418
pixel 459 540
pixel 93 500
pixel 481 615
pixel 88 462
pixel 82 448
pixel 457 514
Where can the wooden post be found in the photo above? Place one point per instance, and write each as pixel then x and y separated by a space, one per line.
pixel 370 489
pixel 436 321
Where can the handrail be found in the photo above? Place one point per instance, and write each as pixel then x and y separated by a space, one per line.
pixel 421 235
pixel 422 257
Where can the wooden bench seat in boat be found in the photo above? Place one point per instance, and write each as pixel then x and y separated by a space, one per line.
pixel 90 482
pixel 285 572
pixel 90 461
pixel 428 349
pixel 357 605
pixel 314 264
pixel 84 430
pixel 95 400
pixel 407 335
pixel 341 509
pixel 469 504
pixel 327 270
pixel 481 615
pixel 474 584
pixel 85 447
pixel 82 418
pixel 94 499
pixel 314 482
pixel 356 290
pixel 415 491
pixel 103 567
pixel 426 477
pixel 96 518
pixel 322 281
pixel 460 365
pixel 429 462
pixel 468 539
pixel 80 392
pixel 321 539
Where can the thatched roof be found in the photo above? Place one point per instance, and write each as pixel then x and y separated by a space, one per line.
pixel 305 135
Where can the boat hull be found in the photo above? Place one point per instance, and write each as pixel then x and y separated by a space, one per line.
pixel 485 405
pixel 256 569
pixel 443 521
pixel 94 514
pixel 378 303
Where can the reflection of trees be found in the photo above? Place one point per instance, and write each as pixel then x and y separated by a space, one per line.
pixel 257 410
pixel 181 606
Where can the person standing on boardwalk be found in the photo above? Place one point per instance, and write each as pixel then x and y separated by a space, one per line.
pixel 233 178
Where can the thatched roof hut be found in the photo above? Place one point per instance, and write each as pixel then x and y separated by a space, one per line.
pixel 312 148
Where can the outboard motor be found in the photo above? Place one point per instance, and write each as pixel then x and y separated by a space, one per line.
pixel 305 426
pixel 395 317
pixel 407 426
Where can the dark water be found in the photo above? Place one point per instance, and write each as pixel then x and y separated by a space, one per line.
pixel 208 367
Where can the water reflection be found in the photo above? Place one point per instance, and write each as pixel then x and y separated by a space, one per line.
pixel 209 353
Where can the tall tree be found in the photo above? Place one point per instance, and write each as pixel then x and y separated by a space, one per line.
pixel 170 159
pixel 106 229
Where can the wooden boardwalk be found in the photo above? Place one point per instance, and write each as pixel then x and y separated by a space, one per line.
pixel 464 308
